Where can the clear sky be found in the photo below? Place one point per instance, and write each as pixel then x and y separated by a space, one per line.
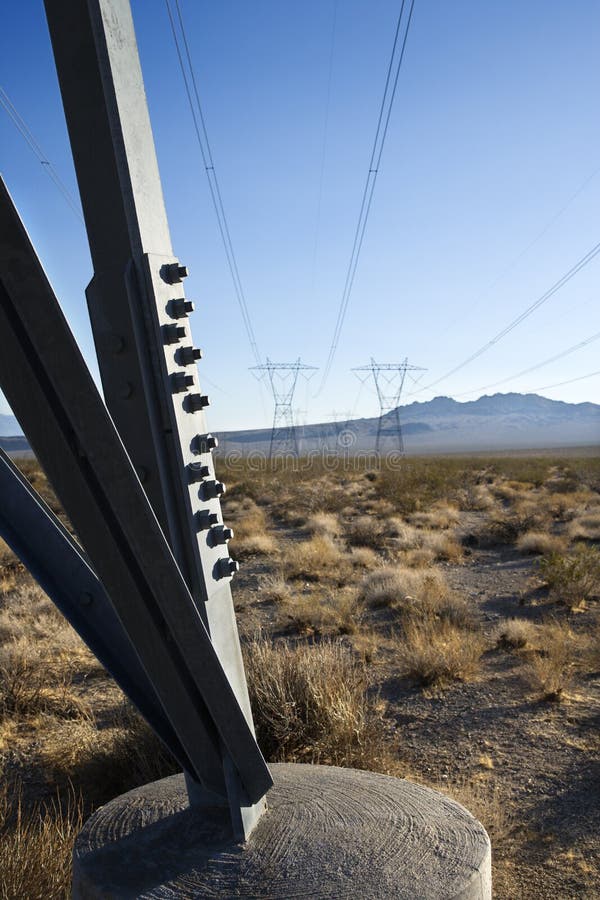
pixel 488 191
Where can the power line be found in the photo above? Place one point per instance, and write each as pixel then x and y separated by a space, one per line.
pixel 507 268
pixel 547 387
pixel 589 256
pixel 209 167
pixel 383 122
pixel 539 365
pixel 26 134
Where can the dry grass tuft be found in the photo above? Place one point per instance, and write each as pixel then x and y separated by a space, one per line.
pixel 442 546
pixel 338 612
pixel 514 634
pixel 36 847
pixel 311 704
pixel 550 671
pixel 434 652
pixel 323 523
pixel 440 516
pixel 254 545
pixel 313 558
pixel 274 588
pixel 585 527
pixel 540 543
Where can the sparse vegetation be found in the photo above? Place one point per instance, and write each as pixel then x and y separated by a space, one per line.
pixel 574 577
pixel 464 592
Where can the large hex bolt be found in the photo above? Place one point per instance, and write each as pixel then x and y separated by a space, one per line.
pixel 212 489
pixel 174 273
pixel 220 534
pixel 227 567
pixel 204 443
pixel 180 307
pixel 181 382
pixel 187 356
pixel 196 402
pixel 172 334
pixel 205 519
pixel 197 472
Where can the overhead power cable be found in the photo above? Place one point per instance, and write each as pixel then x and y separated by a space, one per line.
pixel 26 134
pixel 545 362
pixel 193 96
pixel 547 387
pixel 383 121
pixel 509 266
pixel 589 256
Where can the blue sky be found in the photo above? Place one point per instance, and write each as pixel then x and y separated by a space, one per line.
pixel 486 194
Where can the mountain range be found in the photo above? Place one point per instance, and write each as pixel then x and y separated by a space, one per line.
pixel 497 422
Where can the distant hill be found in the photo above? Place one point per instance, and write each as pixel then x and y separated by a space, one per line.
pixel 497 422
pixel 441 425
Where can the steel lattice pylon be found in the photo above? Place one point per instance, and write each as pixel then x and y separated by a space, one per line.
pixel 283 378
pixel 389 381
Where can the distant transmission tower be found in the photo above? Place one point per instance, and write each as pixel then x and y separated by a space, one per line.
pixel 283 378
pixel 389 381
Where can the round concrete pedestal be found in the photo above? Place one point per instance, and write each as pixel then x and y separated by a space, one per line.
pixel 327 833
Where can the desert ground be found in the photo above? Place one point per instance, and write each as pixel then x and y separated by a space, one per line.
pixel 437 620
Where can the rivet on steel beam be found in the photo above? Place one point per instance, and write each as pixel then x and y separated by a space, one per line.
pixel 205 519
pixel 187 356
pixel 197 472
pixel 204 443
pixel 126 390
pixel 180 307
pixel 220 534
pixel 142 473
pixel 181 382
pixel 172 334
pixel 174 273
pixel 85 598
pixel 227 567
pixel 211 489
pixel 195 402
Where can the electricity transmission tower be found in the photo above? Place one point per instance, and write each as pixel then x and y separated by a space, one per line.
pixel 389 381
pixel 283 378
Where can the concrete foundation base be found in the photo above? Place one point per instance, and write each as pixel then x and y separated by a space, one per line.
pixel 327 833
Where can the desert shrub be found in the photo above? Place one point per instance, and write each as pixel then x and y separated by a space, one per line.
pixel 585 527
pixel 434 652
pixel 31 684
pixel 274 588
pixel 254 545
pixel 36 846
pixel 507 527
pixel 514 634
pixel 550 671
pixel 418 595
pixel 313 558
pixel 443 546
pixel 323 524
pixel 572 578
pixel 311 704
pixel 539 543
pixel 441 515
pixel 337 612
pixel 102 760
pixel 366 531
pixel 363 558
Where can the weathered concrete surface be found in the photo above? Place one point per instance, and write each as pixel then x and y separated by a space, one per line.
pixel 328 833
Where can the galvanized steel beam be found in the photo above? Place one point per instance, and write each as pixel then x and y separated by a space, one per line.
pixel 139 313
pixel 50 390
